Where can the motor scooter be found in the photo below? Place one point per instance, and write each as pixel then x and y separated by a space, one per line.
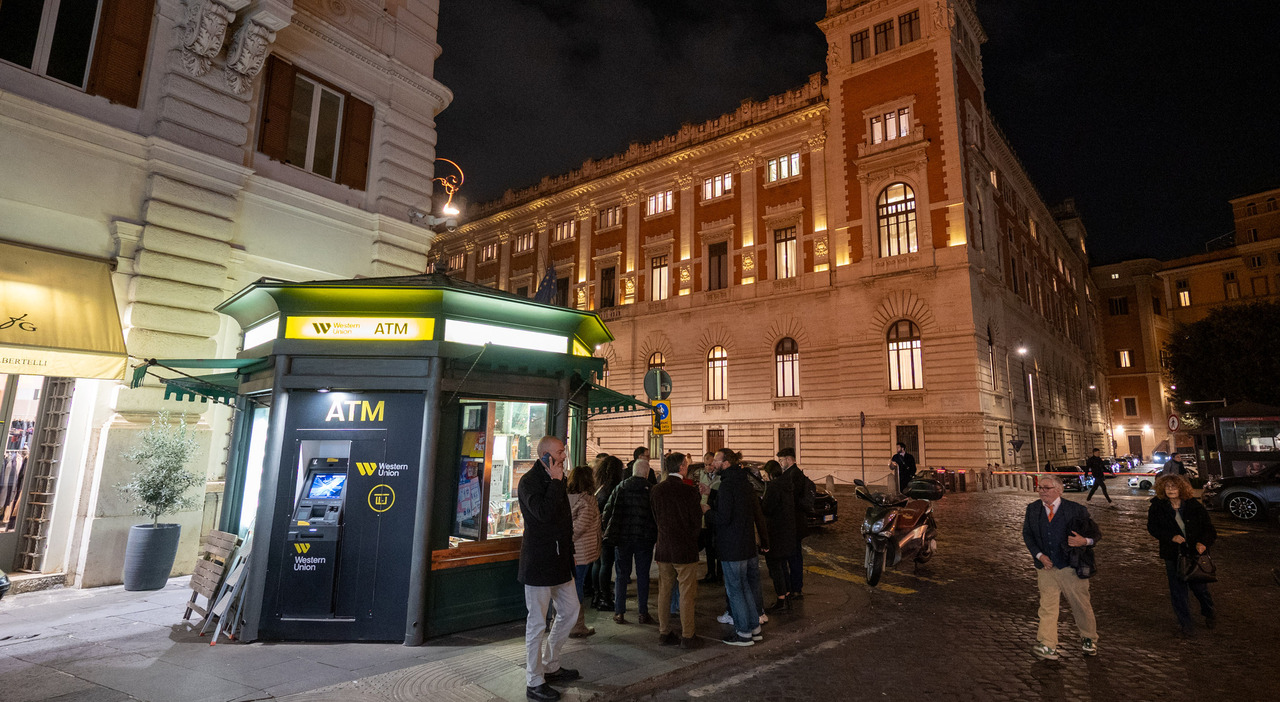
pixel 896 527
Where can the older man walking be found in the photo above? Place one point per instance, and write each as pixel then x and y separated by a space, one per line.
pixel 1057 532
pixel 546 570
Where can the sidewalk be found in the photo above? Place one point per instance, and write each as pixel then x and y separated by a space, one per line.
pixel 109 645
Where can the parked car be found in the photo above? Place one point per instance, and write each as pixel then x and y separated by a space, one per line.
pixel 1245 496
pixel 1074 483
pixel 1159 457
pixel 826 508
pixel 1147 480
pixel 4 584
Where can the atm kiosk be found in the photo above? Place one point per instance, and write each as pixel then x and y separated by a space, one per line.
pixel 313 540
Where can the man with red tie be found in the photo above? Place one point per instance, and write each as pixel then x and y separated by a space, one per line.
pixel 1056 532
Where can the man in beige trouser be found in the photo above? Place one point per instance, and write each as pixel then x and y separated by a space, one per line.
pixel 1051 529
pixel 677 509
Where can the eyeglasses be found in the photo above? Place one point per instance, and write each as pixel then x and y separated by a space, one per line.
pixel 1048 488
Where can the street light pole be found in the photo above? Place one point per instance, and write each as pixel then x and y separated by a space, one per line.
pixel 1031 399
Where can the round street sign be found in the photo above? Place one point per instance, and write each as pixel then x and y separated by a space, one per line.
pixel 1174 422
pixel 657 384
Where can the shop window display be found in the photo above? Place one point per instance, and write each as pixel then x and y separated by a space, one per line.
pixel 497 446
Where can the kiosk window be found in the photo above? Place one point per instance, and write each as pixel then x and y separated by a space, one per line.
pixel 497 446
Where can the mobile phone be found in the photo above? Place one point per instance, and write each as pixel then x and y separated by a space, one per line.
pixel 546 459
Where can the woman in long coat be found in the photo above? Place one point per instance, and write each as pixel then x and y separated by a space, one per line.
pixel 780 514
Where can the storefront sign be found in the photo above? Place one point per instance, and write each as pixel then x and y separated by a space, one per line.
pixel 360 328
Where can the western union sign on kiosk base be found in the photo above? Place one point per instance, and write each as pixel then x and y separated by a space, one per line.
pixel 384 426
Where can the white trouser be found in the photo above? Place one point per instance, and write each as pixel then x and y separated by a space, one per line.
pixel 540 658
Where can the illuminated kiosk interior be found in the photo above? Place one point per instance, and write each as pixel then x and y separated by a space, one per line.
pixel 384 425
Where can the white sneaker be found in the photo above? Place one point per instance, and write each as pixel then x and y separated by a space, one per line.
pixel 725 618
pixel 764 618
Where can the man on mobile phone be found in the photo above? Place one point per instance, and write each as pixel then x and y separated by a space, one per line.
pixel 546 570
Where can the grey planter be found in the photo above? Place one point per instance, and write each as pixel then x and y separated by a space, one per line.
pixel 149 555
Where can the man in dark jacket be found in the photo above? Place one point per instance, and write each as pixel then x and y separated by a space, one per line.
pixel 1051 528
pixel 736 516
pixel 799 482
pixel 546 569
pixel 905 465
pixel 1098 469
pixel 677 509
pixel 630 529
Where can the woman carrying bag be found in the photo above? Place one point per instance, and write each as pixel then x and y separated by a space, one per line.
pixel 1182 527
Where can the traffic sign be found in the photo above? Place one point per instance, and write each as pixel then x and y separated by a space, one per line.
pixel 657 384
pixel 1174 422
pixel 1016 444
pixel 661 417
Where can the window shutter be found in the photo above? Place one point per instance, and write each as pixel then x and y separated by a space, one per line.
pixel 357 135
pixel 277 102
pixel 120 53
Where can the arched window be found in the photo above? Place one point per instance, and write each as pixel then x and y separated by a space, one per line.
pixel 904 356
pixel 717 373
pixel 896 218
pixel 786 356
pixel 657 360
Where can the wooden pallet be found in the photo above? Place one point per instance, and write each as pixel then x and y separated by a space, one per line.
pixel 210 571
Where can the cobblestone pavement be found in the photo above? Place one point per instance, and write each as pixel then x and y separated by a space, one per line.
pixel 962 627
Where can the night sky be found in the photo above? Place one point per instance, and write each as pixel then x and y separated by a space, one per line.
pixel 1150 117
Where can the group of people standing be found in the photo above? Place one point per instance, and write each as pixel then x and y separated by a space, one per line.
pixel 587 534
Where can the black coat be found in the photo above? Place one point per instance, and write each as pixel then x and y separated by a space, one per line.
pixel 1163 526
pixel 628 515
pixel 1097 468
pixel 736 516
pixel 546 552
pixel 798 480
pixel 780 514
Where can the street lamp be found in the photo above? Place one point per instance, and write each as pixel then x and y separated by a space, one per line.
pixel 1205 402
pixel 1031 398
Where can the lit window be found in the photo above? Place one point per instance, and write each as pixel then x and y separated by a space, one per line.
pixel 1124 358
pixel 785 253
pixel 717 373
pixel 884 36
pixel 457 261
pixel 1115 276
pixel 659 203
pixel 894 124
pixel 49 37
pixel 313 127
pixel 524 242
pixel 565 230
pixel 610 217
pixel 787 363
pixel 860 46
pixel 896 215
pixel 489 252
pixel 909 27
pixel 905 369
pixel 1184 293
pixel 657 360
pixel 782 167
pixel 717 186
pixel 658 278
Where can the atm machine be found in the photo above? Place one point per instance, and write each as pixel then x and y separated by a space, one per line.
pixel 309 572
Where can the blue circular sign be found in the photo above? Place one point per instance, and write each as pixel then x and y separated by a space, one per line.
pixel 663 410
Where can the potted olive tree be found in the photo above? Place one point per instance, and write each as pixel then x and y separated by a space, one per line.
pixel 157 488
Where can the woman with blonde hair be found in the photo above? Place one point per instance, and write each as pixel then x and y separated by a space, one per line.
pixel 1181 524
pixel 586 536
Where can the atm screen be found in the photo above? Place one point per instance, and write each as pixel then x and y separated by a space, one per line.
pixel 326 486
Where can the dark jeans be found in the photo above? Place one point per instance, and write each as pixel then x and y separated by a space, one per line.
pixel 708 539
pixel 642 556
pixel 603 572
pixel 780 572
pixel 1098 483
pixel 796 567
pixel 1178 595
pixel 579 576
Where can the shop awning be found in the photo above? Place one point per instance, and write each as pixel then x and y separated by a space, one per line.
pixel 58 316
pixel 602 400
pixel 215 386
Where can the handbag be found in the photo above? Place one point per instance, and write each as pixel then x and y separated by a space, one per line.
pixel 1196 567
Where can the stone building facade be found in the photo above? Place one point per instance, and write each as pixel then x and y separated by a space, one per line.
pixel 195 146
pixel 1143 300
pixel 867 244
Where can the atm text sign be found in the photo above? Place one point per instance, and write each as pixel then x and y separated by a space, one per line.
pixel 360 328
pixel 356 411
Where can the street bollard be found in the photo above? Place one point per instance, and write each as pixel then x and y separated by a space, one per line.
pixel 960 481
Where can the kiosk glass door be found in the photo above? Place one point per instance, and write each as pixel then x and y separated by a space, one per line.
pixel 497 446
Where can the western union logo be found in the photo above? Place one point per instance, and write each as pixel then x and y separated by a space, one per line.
pixel 321 327
pixel 367 468
pixel 302 548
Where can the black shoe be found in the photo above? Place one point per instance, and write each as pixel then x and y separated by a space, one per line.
pixel 604 606
pixel 561 675
pixel 735 640
pixel 668 639
pixel 782 605
pixel 543 693
pixel 796 596
pixel 690 643
pixel 644 618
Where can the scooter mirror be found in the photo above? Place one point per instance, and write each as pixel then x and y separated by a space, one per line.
pixel 859 483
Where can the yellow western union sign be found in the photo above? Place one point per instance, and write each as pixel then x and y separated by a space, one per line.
pixel 302 548
pixel 360 328
pixel 367 468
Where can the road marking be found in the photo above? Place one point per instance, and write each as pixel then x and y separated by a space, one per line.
pixel 708 690
pixel 861 563
pixel 849 577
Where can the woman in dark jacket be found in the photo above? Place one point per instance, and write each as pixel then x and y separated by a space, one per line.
pixel 780 514
pixel 608 474
pixel 1181 524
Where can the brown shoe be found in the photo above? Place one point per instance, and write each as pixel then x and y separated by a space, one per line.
pixel 644 618
pixel 619 619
